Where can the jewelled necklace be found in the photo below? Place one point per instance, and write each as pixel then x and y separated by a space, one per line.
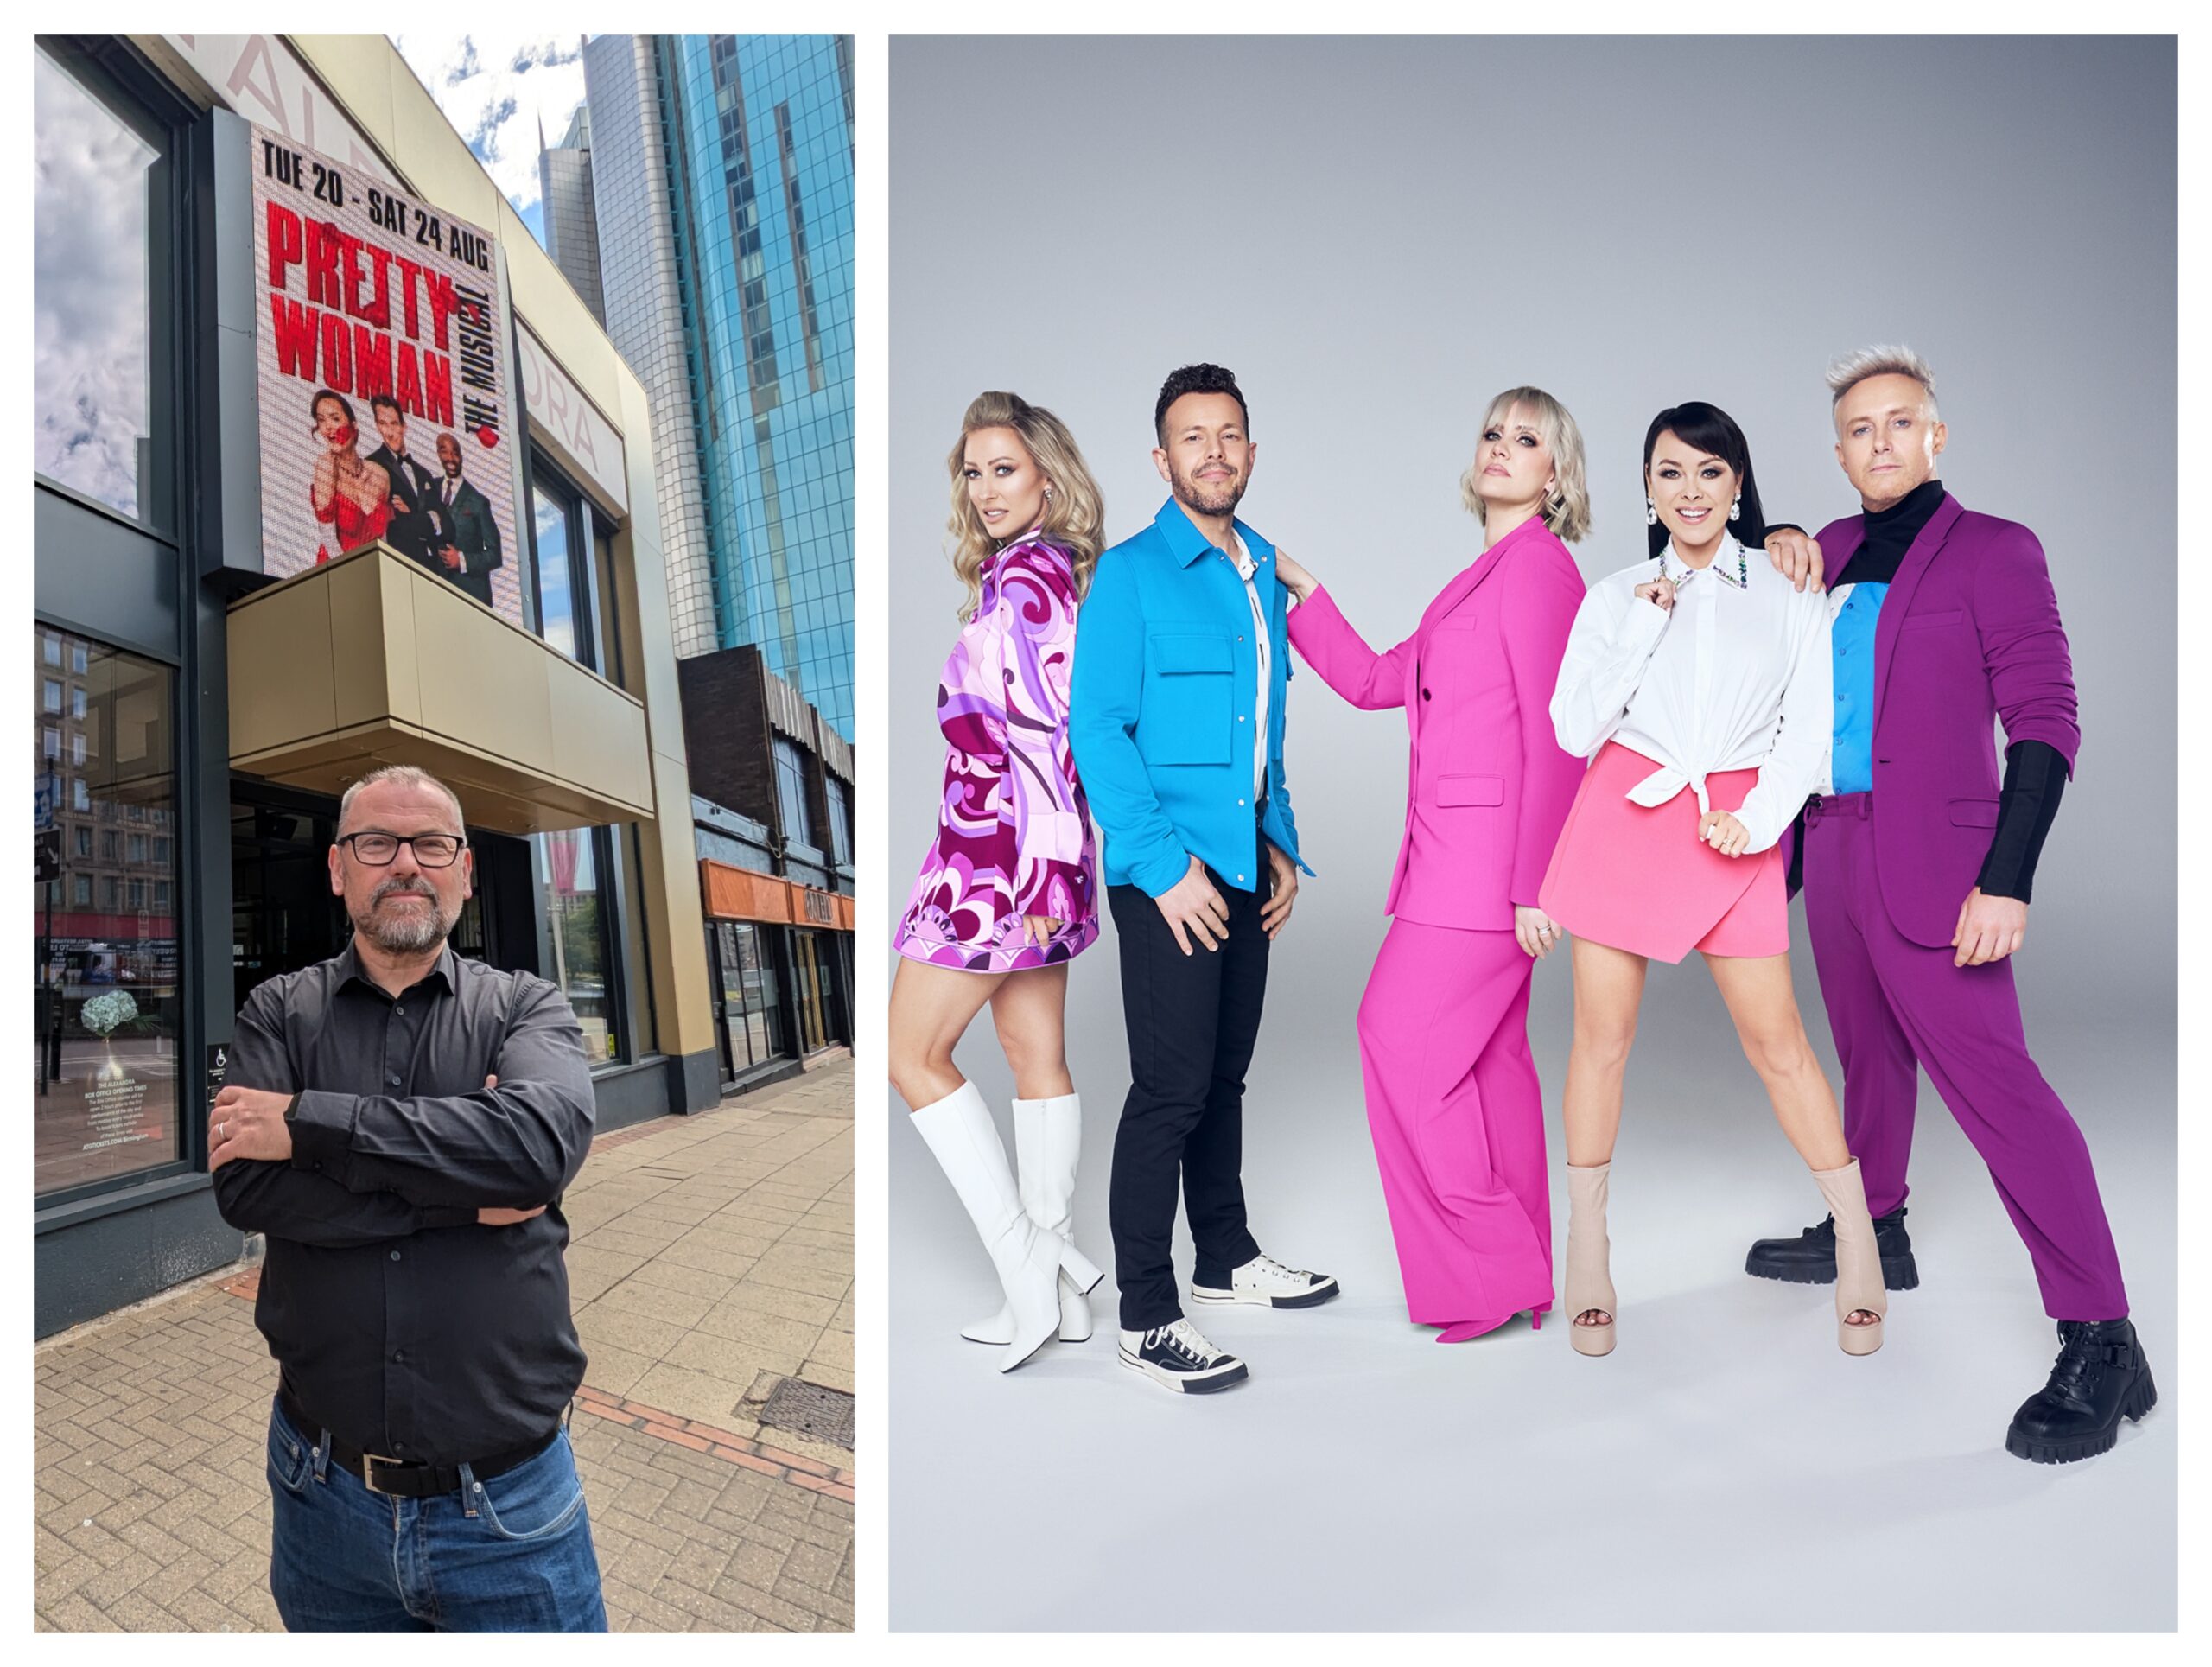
pixel 1743 568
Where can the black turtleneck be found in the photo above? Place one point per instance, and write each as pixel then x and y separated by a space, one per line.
pixel 2035 771
pixel 1890 533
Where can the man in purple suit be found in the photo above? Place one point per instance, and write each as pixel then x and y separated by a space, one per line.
pixel 1917 867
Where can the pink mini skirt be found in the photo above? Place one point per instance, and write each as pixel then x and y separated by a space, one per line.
pixel 1639 878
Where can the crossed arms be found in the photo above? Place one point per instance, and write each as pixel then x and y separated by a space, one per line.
pixel 355 1168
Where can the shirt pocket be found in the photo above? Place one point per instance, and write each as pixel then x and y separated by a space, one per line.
pixel 1469 793
pixel 1188 702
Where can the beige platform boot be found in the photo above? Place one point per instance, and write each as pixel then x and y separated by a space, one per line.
pixel 1858 1259
pixel 1589 1283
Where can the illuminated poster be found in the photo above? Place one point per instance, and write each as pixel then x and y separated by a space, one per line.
pixel 387 384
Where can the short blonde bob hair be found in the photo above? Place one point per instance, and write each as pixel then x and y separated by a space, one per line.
pixel 1074 515
pixel 1566 509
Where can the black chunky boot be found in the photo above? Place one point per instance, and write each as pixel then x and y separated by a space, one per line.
pixel 1809 1258
pixel 2100 1378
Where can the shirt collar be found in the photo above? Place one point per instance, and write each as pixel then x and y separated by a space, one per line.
pixel 1186 544
pixel 445 967
pixel 1727 563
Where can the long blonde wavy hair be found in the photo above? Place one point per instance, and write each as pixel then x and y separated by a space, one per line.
pixel 1074 515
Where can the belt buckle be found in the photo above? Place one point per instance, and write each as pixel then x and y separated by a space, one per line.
pixel 369 1463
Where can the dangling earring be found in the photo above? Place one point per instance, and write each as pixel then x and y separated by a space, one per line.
pixel 1650 513
pixel 1736 510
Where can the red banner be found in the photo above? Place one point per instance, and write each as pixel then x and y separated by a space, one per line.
pixel 387 405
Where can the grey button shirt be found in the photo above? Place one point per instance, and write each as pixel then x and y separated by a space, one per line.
pixel 399 1323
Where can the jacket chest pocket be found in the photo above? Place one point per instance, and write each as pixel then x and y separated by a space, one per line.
pixel 1188 698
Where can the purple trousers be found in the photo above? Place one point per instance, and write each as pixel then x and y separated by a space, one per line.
pixel 1894 1005
pixel 1457 1117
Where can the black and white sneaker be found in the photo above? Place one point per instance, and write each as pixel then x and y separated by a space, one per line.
pixel 1175 1356
pixel 1265 1282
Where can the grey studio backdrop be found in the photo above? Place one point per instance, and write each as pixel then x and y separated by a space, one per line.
pixel 1375 235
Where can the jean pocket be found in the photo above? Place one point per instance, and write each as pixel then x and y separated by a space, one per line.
pixel 535 1500
pixel 290 1455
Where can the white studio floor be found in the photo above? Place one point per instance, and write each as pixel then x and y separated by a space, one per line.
pixel 1726 1468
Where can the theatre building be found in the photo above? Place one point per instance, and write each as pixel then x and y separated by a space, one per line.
pixel 333 469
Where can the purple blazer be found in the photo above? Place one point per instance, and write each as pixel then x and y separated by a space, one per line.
pixel 1487 787
pixel 1969 636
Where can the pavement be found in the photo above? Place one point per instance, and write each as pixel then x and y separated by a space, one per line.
pixel 710 1265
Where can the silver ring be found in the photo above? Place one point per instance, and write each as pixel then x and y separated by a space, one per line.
pixel 222 1133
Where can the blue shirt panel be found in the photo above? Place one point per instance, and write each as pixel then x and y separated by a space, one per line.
pixel 1851 760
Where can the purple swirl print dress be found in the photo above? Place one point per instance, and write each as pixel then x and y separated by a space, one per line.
pixel 1014 829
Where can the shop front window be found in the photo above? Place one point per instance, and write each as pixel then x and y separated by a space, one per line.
pixel 806 969
pixel 573 870
pixel 106 1000
pixel 752 1014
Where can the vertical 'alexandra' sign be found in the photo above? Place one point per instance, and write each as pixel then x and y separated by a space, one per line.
pixel 387 398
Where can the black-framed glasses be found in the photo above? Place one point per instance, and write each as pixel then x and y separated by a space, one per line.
pixel 380 850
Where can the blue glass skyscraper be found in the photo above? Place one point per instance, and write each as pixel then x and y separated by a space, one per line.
pixel 721 169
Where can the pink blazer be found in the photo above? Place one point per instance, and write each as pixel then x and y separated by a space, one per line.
pixel 1487 787
pixel 1969 637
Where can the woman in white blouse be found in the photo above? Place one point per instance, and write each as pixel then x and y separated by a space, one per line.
pixel 1698 683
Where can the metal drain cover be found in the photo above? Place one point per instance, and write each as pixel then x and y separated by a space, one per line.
pixel 804 1409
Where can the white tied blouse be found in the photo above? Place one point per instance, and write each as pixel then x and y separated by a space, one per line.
pixel 1737 675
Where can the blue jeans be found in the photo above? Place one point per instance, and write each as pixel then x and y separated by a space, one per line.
pixel 512 1554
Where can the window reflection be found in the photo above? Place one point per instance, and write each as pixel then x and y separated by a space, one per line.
pixel 556 605
pixel 99 266
pixel 579 908
pixel 105 995
pixel 791 794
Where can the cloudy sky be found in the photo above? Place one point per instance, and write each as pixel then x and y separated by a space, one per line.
pixel 91 293
pixel 495 89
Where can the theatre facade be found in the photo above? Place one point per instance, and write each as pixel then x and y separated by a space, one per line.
pixel 332 470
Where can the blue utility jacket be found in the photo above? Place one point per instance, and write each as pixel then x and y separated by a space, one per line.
pixel 1163 703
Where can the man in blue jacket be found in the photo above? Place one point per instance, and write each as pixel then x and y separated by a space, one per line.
pixel 1177 722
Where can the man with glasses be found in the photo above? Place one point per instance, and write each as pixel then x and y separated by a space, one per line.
pixel 400 1124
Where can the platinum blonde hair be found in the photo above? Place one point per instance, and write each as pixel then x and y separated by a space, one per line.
pixel 1074 515
pixel 1854 368
pixel 1566 509
pixel 402 775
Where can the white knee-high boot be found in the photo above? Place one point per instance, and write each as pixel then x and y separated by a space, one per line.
pixel 1028 1259
pixel 1047 1147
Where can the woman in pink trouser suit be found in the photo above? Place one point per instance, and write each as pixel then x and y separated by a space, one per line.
pixel 1452 1099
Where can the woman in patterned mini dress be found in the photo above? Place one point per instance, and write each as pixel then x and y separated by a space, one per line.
pixel 1008 892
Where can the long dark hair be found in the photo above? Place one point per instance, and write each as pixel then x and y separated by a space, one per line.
pixel 1712 430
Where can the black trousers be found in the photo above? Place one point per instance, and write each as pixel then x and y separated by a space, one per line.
pixel 1192 1019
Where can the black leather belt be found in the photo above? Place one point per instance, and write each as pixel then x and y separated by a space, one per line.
pixel 403 1480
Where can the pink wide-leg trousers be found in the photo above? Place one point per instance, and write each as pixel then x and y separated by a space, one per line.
pixel 1457 1117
